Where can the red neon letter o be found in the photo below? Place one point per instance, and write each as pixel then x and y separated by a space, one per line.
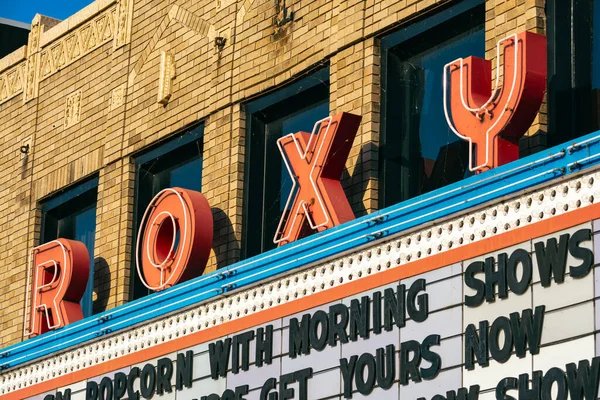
pixel 174 239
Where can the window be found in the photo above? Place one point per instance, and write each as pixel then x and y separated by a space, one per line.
pixel 418 151
pixel 267 187
pixel 174 163
pixel 573 32
pixel 72 215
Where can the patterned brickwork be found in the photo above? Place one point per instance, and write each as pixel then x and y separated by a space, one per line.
pixel 104 64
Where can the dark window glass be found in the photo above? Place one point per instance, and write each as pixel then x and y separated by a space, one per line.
pixel 419 152
pixel 175 163
pixel 573 32
pixel 268 184
pixel 596 45
pixel 72 215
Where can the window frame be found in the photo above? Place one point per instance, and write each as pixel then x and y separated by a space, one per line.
pixel 192 134
pixel 428 22
pixel 65 199
pixel 273 101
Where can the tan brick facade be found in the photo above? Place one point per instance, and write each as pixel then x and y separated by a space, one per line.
pixel 86 97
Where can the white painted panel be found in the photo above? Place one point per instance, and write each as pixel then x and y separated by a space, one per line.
pixel 559 355
pixel 568 322
pixel 372 344
pixel 324 384
pixel 451 352
pixel 329 357
pixel 378 393
pixel 488 377
pixel 202 387
pixel 201 366
pixel 499 308
pixel 446 293
pixel 255 376
pixel 444 323
pixel 559 295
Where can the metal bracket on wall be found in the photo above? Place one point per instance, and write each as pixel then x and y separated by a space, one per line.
pixel 286 15
pixel 26 147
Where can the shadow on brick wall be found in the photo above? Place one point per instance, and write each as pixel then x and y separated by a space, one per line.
pixel 355 185
pixel 225 244
pixel 101 284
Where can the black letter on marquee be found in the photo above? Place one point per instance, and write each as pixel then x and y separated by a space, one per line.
pixel 536 386
pixel 519 256
pixel 583 380
pixel 410 367
pixel 585 255
pixel 286 393
pixel 418 314
pixel 241 391
pixel 431 356
pixel 503 386
pixel 266 388
pixel 501 354
pixel 243 339
pixel 148 381
pixel 393 307
pixel 164 373
pixel 347 368
pixel 552 259
pixel 302 377
pixel 475 284
pixel 120 385
pixel 91 391
pixel 476 345
pixel 105 390
pixel 527 330
pixel 495 277
pixel 318 318
pixel 131 394
pixel 463 393
pixel 365 361
pixel 377 313
pixel 264 346
pixel 185 369
pixel 64 396
pixel 219 357
pixel 337 329
pixel 299 342
pixel 359 318
pixel 554 375
pixel 386 366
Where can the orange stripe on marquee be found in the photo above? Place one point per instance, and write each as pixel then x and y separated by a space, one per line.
pixel 417 267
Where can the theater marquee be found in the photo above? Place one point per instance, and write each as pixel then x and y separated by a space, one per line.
pixel 515 322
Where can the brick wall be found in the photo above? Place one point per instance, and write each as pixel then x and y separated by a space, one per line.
pixel 95 106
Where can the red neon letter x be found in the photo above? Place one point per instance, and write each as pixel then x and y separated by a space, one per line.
pixel 315 162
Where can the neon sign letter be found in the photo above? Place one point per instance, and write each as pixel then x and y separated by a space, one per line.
pixel 315 163
pixel 494 120
pixel 176 237
pixel 61 271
